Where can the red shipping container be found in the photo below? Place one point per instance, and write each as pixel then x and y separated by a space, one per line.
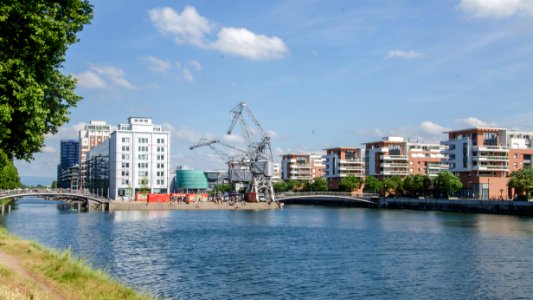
pixel 158 197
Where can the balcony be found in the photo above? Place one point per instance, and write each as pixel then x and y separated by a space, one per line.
pixel 400 173
pixel 490 148
pixel 491 168
pixel 300 166
pixel 490 158
pixel 351 161
pixel 394 157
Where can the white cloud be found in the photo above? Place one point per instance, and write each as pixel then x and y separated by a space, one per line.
pixel 157 64
pixel 475 122
pixel 90 80
pixel 94 78
pixel 195 65
pixel 233 138
pixel 242 42
pixel 432 128
pixel 186 28
pixel 187 75
pixel 49 149
pixel 404 54
pixel 497 9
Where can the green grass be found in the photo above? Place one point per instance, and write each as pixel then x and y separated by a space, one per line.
pixel 60 270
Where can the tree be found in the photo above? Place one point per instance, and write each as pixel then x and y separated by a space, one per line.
pixel 393 184
pixel 416 185
pixel 222 188
pixel 296 185
pixel 319 185
pixel 447 184
pixel 372 185
pixel 522 182
pixel 34 96
pixel 350 183
pixel 54 184
pixel 280 187
pixel 9 177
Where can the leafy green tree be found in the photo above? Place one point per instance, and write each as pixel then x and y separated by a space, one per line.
pixel 350 183
pixel 416 185
pixel 53 185
pixel 9 177
pixel 296 185
pixel 222 188
pixel 522 182
pixel 447 184
pixel 34 96
pixel 372 185
pixel 393 184
pixel 144 188
pixel 280 187
pixel 319 185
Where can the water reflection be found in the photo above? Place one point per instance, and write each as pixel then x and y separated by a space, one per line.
pixel 298 252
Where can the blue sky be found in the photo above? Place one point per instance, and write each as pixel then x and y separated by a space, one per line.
pixel 316 74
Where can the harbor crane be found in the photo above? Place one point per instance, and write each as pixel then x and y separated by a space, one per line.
pixel 253 165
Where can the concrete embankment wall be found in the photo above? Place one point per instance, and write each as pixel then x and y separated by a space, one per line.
pixel 118 205
pixel 522 208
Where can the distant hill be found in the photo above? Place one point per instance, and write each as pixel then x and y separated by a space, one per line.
pixel 36 180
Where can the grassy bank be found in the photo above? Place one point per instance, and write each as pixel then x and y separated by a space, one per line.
pixel 31 271
pixel 5 201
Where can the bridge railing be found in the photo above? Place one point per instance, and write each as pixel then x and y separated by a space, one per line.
pixel 41 191
pixel 333 194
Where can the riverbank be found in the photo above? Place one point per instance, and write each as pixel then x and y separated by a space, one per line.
pixel 117 205
pixel 519 208
pixel 31 271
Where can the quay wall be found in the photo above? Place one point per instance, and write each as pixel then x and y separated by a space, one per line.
pixel 521 208
pixel 118 205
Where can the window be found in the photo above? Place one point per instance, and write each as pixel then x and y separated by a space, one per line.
pixel 160 173
pixel 143 156
pixel 515 156
pixel 143 140
pixel 143 173
pixel 160 141
pixel 125 139
pixel 125 156
pixel 142 165
pixel 125 164
pixel 125 148
pixel 126 173
pixel 125 181
pixel 160 157
pixel 143 148
pixel 160 166
pixel 160 149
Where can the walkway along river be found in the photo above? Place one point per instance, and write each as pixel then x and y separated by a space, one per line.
pixel 298 252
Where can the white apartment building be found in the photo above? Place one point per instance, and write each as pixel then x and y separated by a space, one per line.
pixel 91 136
pixel 139 157
pixel 305 167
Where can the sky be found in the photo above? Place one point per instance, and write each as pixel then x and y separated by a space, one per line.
pixel 316 74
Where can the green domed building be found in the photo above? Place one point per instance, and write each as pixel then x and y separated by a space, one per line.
pixel 191 180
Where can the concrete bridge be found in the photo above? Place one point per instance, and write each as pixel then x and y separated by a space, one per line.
pixel 329 198
pixel 85 200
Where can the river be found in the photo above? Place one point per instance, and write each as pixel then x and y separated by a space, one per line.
pixel 300 252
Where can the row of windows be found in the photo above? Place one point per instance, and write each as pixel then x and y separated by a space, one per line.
pixel 142 140
pixel 126 148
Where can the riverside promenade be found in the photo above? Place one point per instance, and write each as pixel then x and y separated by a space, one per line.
pixel 519 208
pixel 118 205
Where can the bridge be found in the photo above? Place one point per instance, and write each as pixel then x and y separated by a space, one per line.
pixel 329 198
pixel 87 199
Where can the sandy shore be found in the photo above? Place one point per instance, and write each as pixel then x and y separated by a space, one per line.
pixel 117 205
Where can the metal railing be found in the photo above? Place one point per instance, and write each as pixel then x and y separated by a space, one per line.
pixel 338 194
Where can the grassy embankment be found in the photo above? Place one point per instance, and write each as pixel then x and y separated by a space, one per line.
pixel 31 271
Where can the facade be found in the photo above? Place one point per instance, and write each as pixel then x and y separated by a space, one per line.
pixel 483 158
pixel 215 178
pixel 91 136
pixel 396 156
pixel 97 169
pixel 68 168
pixel 139 158
pixel 341 162
pixel 305 167
pixel 276 176
pixel 191 181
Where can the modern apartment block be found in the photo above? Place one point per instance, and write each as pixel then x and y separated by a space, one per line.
pixel 304 167
pixel 396 156
pixel 341 162
pixel 484 157
pixel 68 168
pixel 91 136
pixel 139 158
pixel 97 169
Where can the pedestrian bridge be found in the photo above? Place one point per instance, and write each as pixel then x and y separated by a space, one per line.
pixel 328 198
pixel 87 199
